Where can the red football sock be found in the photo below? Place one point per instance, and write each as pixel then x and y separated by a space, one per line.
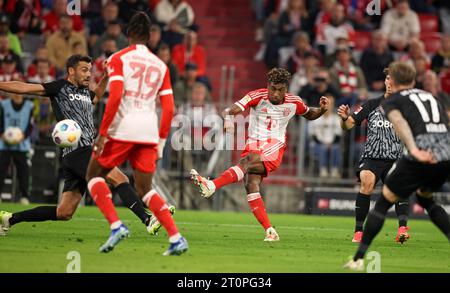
pixel 259 210
pixel 161 211
pixel 102 198
pixel 232 175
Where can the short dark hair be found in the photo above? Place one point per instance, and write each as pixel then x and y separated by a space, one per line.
pixel 139 27
pixel 278 75
pixel 73 61
pixel 401 73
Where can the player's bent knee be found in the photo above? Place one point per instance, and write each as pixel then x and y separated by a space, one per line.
pixel 252 186
pixel 64 214
pixel 367 182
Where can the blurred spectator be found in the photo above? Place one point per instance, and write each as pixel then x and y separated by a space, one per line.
pixel 400 24
pixel 127 8
pixel 326 134
pixel 189 52
pixel 324 14
pixel 25 16
pixel 42 72
pixel 327 33
pixel 374 59
pixel 295 18
pixel 442 57
pixel 348 78
pixel 197 109
pixel 320 86
pixel 341 41
pixel 41 53
pixel 176 17
pixel 52 19
pixel 304 74
pixel 420 64
pixel 302 48
pixel 113 31
pixel 60 44
pixel 431 84
pixel 444 14
pixel 155 38
pixel 9 71
pixel 416 50
pixel 14 42
pixel 109 47
pixel 110 12
pixel 356 13
pixel 183 88
pixel 5 51
pixel 165 56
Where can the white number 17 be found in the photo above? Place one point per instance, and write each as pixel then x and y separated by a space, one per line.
pixel 418 101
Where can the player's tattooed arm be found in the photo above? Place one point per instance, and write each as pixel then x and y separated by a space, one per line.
pixel 404 132
pixel 22 88
pixel 315 113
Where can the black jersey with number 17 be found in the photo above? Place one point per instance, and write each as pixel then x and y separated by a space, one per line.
pixel 75 103
pixel 427 119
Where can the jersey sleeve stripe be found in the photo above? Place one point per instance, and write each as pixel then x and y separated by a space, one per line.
pixel 116 77
pixel 165 92
pixel 240 106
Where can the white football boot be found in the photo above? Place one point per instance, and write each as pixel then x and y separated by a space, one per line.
pixel 271 235
pixel 207 187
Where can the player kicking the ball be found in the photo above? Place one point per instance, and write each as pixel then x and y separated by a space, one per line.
pixel 271 109
pixel 129 130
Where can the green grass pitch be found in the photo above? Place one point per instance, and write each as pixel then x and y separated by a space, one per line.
pixel 219 242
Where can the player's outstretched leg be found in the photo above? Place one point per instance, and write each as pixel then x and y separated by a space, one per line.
pixel 208 187
pixel 362 206
pixel 102 198
pixel 402 211
pixel 160 210
pixel 4 222
pixel 373 225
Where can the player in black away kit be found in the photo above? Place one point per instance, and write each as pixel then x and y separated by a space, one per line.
pixel 72 99
pixel 381 150
pixel 421 122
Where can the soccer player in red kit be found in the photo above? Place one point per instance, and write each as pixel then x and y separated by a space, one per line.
pixel 129 131
pixel 271 109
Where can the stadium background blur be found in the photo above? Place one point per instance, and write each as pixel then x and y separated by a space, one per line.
pixel 217 50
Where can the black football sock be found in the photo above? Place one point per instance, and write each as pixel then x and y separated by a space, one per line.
pixel 362 206
pixel 130 198
pixel 38 214
pixel 374 223
pixel 436 213
pixel 402 211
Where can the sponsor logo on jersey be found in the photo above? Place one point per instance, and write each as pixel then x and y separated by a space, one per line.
pixel 78 97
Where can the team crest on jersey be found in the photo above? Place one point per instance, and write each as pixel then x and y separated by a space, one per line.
pixel 358 110
pixel 286 112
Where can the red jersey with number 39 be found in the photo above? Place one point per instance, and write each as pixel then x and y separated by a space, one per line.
pixel 145 78
pixel 269 121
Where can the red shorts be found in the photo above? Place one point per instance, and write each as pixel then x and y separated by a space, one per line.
pixel 271 153
pixel 142 157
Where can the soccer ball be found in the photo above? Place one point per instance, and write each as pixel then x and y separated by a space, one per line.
pixel 13 135
pixel 66 133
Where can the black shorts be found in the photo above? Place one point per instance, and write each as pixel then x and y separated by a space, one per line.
pixel 379 167
pixel 74 167
pixel 407 176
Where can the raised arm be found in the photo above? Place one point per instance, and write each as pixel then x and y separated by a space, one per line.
pixel 347 121
pixel 22 88
pixel 100 89
pixel 315 113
